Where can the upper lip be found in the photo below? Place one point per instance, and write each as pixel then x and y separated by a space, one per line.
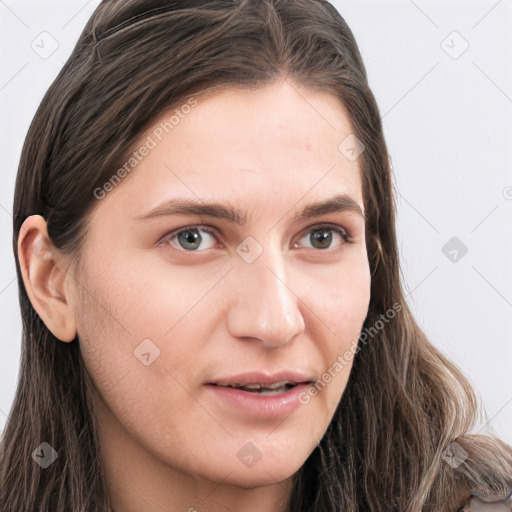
pixel 261 377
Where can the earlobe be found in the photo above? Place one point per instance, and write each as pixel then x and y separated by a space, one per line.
pixel 45 278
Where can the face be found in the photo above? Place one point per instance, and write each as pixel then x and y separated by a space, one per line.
pixel 162 311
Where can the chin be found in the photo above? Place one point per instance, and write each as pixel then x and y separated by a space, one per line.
pixel 249 478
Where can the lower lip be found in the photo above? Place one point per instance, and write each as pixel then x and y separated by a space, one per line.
pixel 268 406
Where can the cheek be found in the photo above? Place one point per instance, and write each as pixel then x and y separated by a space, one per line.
pixel 349 303
pixel 342 305
pixel 111 323
pixel 137 341
pixel 340 298
pixel 142 398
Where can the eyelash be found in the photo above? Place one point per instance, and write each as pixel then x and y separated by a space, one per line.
pixel 333 227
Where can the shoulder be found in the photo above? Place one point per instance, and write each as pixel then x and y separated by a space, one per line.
pixel 477 503
pixel 481 477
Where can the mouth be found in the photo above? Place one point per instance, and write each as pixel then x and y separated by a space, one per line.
pixel 264 389
pixel 274 398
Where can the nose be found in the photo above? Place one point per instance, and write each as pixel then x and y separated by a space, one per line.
pixel 264 305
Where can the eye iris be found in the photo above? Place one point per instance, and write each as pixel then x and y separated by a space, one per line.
pixel 325 241
pixel 190 237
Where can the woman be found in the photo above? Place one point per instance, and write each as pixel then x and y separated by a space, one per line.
pixel 213 317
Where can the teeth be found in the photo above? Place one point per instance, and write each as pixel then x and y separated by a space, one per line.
pixel 259 387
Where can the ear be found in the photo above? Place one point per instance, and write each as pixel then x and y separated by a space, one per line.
pixel 46 278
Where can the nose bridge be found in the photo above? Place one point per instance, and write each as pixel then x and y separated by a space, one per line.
pixel 265 305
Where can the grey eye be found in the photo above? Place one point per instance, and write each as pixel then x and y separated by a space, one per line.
pixel 190 239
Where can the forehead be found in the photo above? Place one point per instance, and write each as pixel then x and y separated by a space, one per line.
pixel 247 146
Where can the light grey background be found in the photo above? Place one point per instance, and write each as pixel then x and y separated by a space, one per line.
pixel 447 113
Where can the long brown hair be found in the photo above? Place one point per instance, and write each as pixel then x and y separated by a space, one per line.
pixel 405 404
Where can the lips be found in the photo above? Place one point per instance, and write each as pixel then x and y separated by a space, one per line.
pixel 255 404
pixel 258 381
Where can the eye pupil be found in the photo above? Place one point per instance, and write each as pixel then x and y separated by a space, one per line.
pixel 190 237
pixel 325 240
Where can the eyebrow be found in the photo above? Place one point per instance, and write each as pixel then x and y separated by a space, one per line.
pixel 227 212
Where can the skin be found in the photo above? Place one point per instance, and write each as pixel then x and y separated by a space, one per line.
pixel 166 442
